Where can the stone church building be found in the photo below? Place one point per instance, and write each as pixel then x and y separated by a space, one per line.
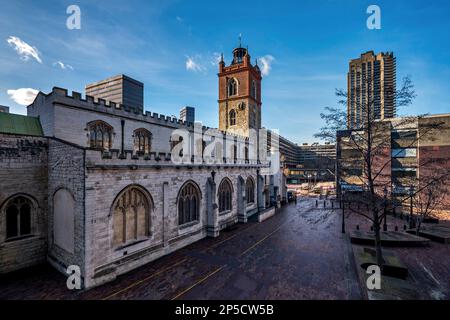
pixel 94 183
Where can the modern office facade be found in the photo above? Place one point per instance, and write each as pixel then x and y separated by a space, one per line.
pixel 187 114
pixel 119 89
pixel 410 152
pixel 313 162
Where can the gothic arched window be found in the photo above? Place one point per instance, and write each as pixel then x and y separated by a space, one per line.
pixel 225 194
pixel 188 203
pixel 250 190
pixel 131 216
pixel 232 117
pixel 18 213
pixel 142 141
pixel 100 135
pixel 232 87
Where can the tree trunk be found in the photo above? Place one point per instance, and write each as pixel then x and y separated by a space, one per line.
pixel 376 229
pixel 380 260
pixel 419 224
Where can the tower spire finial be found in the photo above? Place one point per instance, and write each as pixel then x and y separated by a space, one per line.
pixel 240 40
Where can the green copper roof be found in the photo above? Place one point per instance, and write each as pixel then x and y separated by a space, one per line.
pixel 18 124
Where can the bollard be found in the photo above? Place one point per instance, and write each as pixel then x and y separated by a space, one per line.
pixel 396 228
pixel 371 228
pixel 357 227
pixel 404 227
pixel 324 204
pixel 332 204
pixel 317 203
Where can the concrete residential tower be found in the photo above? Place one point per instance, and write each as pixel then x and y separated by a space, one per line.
pixel 371 86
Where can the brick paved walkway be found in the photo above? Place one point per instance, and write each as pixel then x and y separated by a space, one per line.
pixel 297 254
pixel 428 267
pixel 300 253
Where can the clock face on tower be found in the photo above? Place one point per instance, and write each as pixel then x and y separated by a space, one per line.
pixel 239 94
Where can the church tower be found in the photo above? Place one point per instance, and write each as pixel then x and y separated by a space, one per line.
pixel 239 94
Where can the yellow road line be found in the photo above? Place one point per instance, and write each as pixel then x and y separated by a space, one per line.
pixel 223 241
pixel 257 243
pixel 220 268
pixel 185 259
pixel 231 237
pixel 145 279
pixel 198 282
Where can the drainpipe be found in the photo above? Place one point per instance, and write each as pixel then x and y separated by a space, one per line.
pixel 122 123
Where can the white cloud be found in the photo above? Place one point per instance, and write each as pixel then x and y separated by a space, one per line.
pixel 266 62
pixel 179 19
pixel 23 49
pixel 193 65
pixel 216 58
pixel 62 65
pixel 23 96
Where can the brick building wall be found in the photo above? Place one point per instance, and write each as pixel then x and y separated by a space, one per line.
pixel 246 102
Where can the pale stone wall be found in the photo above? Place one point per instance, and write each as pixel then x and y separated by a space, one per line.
pixel 64 220
pixel 94 179
pixel 45 112
pixel 66 172
pixel 71 125
pixel 23 171
pixel 103 261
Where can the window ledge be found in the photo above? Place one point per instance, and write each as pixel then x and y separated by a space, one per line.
pixel 188 224
pixel 224 213
pixel 25 237
pixel 132 243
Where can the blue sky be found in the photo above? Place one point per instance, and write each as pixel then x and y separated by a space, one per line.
pixel 311 43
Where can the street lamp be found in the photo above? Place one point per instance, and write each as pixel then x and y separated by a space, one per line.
pixel 385 192
pixel 343 211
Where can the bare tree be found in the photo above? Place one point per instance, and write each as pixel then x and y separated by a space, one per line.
pixel 427 201
pixel 431 198
pixel 368 152
pixel 335 118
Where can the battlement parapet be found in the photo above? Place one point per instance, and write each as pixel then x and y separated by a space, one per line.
pixel 97 157
pixel 75 99
pixel 90 103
